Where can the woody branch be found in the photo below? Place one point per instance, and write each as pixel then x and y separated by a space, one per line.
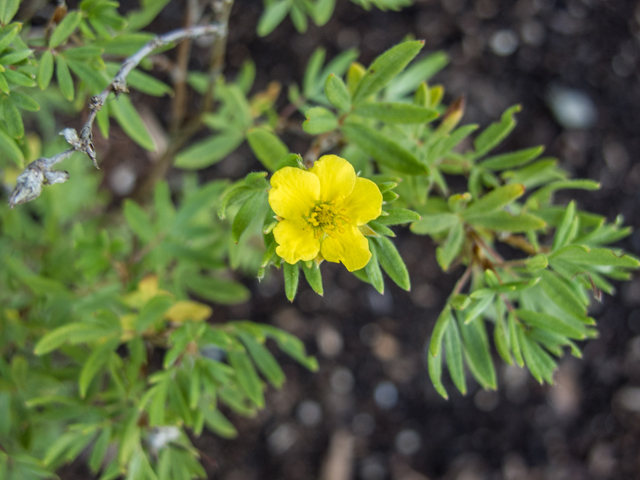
pixel 39 172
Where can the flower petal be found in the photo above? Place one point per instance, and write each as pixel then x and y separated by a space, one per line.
pixel 349 247
pixel 364 203
pixel 293 192
pixel 296 241
pixel 337 177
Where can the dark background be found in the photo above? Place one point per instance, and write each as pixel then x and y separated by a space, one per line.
pixel 371 412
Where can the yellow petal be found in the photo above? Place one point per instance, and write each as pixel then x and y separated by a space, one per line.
pixel 293 192
pixel 188 310
pixel 337 177
pixel 365 202
pixel 350 247
pixel 296 241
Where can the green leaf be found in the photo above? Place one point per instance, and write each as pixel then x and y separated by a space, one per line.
pixel 45 70
pixel 500 334
pixel 384 150
pixel 562 236
pixel 477 308
pixel 7 34
pixel 217 290
pixel 219 424
pixel 538 173
pixel 64 78
pixel 476 346
pixel 323 11
pixel 313 276
pixel 310 83
pixel 87 52
pixel 537 262
pixel 4 86
pixel 565 326
pixel 319 120
pixel 141 18
pixel 396 112
pixel 8 9
pixel 503 221
pixel 16 57
pixel 292 346
pixel 453 350
pixel 384 68
pixel 90 76
pixel 102 119
pixel 147 84
pixel 264 360
pixel 391 262
pixel 337 93
pixel 24 101
pixel 247 377
pixel 12 118
pixel 434 364
pixel 540 364
pixel 291 277
pixel 582 255
pixel 421 71
pixel 496 132
pixel 434 223
pixel 238 194
pixel 494 200
pixel 439 329
pixel 72 332
pixel 93 364
pixel 152 312
pixel 397 216
pixel 8 147
pixel 210 151
pixel 514 339
pixel 272 16
pixel 380 229
pixel 512 159
pixel 100 448
pixel 446 253
pixel 543 196
pixel 247 213
pixel 138 220
pixel 267 147
pixel 372 269
pixel 127 116
pixel 561 294
pixel 299 18
pixel 66 27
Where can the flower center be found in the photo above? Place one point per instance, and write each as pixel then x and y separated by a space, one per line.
pixel 327 218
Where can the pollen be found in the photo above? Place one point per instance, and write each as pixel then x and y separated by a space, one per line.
pixel 327 218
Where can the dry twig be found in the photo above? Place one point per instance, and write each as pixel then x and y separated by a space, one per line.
pixel 39 172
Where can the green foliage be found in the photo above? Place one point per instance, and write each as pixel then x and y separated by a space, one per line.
pixel 106 343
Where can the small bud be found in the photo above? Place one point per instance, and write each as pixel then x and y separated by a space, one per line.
pixel 119 87
pixel 422 96
pixel 436 93
pixel 452 116
pixel 28 185
pixel 354 75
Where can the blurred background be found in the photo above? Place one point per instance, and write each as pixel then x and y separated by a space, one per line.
pixel 371 412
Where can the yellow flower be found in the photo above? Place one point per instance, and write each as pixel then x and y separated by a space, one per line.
pixel 320 211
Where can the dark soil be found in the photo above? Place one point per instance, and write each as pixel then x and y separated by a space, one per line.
pixel 371 412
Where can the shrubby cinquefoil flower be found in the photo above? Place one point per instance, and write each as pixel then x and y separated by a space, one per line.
pixel 320 211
